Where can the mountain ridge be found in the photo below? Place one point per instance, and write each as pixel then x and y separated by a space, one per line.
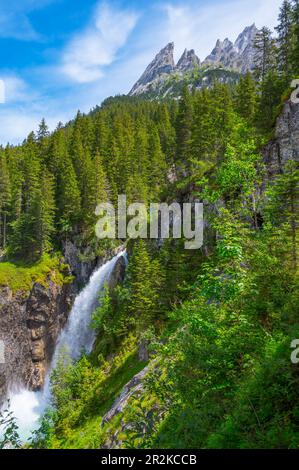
pixel 237 57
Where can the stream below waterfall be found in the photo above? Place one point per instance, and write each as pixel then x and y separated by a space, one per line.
pixel 76 337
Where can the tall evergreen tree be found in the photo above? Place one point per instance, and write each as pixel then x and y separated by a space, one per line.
pixel 46 212
pixel 43 130
pixel 5 198
pixel 145 281
pixel 285 39
pixel 283 208
pixel 295 49
pixel 264 58
pixel 157 166
pixel 183 127
pixel 245 97
pixel 67 190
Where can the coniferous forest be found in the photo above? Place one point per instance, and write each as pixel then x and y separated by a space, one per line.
pixel 216 324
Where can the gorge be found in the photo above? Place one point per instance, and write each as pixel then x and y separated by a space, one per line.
pixel 76 336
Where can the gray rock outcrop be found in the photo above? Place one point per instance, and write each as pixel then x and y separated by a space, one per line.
pixel 118 274
pixel 30 323
pixel 133 386
pixel 188 61
pixel 285 144
pixel 162 65
pixel 238 56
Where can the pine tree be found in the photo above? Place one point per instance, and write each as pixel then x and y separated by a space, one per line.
pixel 14 156
pixel 166 133
pixel 5 198
pixel 77 152
pixel 102 187
pixel 283 208
pixel 25 233
pixel 222 112
pixel 157 166
pixel 270 84
pixel 138 192
pixel 46 214
pixel 145 281
pixel 31 170
pixel 68 199
pixel 43 140
pixel 183 126
pixel 285 37
pixel 269 98
pixel 264 58
pixel 102 137
pixel 245 98
pixel 202 147
pixel 295 49
pixel 112 172
pixel 43 131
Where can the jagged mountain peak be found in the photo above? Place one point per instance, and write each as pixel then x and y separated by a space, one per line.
pixel 246 37
pixel 236 56
pixel 188 60
pixel 162 64
pixel 227 43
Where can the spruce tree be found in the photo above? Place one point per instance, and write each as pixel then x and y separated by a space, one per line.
pixel 285 39
pixel 245 97
pixel 145 282
pixel 183 127
pixel 295 49
pixel 157 166
pixel 67 191
pixel 283 208
pixel 46 214
pixel 43 131
pixel 5 198
pixel 264 58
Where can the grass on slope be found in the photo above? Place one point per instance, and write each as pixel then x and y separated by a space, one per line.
pixel 88 432
pixel 21 276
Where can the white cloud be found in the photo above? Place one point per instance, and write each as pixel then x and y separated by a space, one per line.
pixel 198 26
pixel 15 125
pixel 16 89
pixel 96 47
pixel 2 91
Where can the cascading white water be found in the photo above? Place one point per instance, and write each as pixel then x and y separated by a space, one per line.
pixel 76 337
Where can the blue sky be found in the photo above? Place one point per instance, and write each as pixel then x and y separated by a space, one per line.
pixel 58 56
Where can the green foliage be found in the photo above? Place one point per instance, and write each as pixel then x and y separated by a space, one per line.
pixel 9 438
pixel 82 393
pixel 145 282
pixel 103 310
pixel 21 276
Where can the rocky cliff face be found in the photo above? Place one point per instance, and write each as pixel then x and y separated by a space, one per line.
pixel 285 144
pixel 30 322
pixel 133 388
pixel 236 56
pixel 82 261
pixel 29 326
pixel 162 65
pixel 188 61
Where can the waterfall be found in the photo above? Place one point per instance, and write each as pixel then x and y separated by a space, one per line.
pixel 76 337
